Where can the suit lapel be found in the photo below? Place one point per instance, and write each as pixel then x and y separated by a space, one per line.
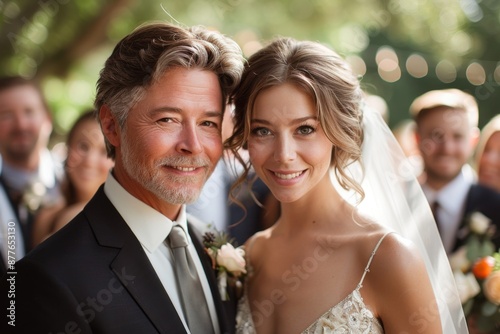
pixel 225 309
pixel 131 266
pixel 133 269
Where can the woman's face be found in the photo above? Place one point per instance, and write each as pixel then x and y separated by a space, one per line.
pixel 287 146
pixel 489 163
pixel 87 164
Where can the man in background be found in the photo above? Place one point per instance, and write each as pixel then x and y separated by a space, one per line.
pixel 29 174
pixel 447 133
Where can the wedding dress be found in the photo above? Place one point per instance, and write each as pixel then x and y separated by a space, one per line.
pixel 349 316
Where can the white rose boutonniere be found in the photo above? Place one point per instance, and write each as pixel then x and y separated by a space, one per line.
pixel 227 260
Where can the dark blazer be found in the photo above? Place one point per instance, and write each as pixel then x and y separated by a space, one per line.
pixel 486 201
pixel 94 277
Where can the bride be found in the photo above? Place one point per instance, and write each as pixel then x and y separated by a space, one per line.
pixel 355 249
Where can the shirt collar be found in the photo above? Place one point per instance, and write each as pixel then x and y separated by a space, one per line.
pixel 149 226
pixel 452 196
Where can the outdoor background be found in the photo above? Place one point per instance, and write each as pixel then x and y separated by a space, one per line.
pixel 400 48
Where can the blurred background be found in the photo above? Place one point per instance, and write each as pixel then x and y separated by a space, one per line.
pixel 399 48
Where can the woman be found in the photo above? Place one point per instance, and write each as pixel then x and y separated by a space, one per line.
pixel 325 266
pixel 488 155
pixel 86 168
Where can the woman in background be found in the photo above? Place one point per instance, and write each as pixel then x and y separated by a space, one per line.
pixel 488 155
pixel 86 168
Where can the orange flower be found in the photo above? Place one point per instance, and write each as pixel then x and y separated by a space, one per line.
pixel 483 267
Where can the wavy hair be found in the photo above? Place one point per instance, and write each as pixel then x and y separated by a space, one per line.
pixel 142 57
pixel 324 76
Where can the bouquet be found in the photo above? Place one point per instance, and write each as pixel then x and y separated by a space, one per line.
pixel 476 267
pixel 227 260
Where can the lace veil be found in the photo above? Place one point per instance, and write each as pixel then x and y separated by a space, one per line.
pixel 394 198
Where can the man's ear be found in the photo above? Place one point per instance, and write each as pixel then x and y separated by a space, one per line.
pixel 474 137
pixel 110 127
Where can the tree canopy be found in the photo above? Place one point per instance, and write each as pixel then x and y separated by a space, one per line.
pixel 399 48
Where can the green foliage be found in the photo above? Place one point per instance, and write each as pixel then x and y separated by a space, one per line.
pixel 68 41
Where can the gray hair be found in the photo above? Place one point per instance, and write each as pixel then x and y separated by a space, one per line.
pixel 143 56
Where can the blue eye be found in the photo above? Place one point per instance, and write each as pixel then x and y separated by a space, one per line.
pixel 261 132
pixel 306 130
pixel 210 124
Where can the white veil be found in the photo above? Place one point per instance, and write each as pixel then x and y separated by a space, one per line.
pixel 394 199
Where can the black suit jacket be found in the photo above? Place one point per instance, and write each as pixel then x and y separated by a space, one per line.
pixel 94 277
pixel 486 201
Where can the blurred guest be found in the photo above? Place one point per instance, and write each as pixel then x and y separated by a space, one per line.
pixel 488 155
pixel 86 168
pixel 378 104
pixel 404 132
pixel 447 134
pixel 30 174
pixel 11 238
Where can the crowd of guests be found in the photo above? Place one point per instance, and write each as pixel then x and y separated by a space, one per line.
pixel 458 167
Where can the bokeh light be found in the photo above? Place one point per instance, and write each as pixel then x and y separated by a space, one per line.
pixel 446 71
pixel 476 74
pixel 416 65
pixel 358 65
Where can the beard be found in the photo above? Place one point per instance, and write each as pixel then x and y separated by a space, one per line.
pixel 20 151
pixel 171 188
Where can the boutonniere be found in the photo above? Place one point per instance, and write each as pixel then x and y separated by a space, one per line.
pixel 33 195
pixel 227 260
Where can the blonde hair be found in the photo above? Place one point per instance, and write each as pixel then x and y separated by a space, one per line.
pixel 323 75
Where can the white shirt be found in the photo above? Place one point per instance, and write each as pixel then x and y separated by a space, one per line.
pixel 10 232
pixel 151 228
pixel 451 199
pixel 9 226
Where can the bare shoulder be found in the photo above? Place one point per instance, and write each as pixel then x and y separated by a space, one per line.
pixel 256 245
pixel 396 259
pixel 257 241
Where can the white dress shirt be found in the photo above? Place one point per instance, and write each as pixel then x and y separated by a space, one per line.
pixel 451 199
pixel 9 226
pixel 151 228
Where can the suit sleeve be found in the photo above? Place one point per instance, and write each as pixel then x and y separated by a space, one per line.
pixel 41 305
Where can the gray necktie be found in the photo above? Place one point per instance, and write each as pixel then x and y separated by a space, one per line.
pixel 192 297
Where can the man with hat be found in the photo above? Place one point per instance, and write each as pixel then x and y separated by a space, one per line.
pixel 447 133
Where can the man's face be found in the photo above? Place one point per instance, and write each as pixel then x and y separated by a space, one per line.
pixel 445 139
pixel 24 123
pixel 171 140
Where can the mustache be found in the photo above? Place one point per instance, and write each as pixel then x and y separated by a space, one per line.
pixel 184 161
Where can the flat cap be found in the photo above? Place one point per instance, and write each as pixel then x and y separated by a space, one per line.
pixel 452 98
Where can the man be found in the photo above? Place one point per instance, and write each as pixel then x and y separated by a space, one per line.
pixel 30 175
pixel 446 127
pixel 11 238
pixel 115 267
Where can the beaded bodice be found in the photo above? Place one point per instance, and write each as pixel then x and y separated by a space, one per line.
pixel 349 316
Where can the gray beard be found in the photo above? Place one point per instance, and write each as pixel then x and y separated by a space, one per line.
pixel 157 183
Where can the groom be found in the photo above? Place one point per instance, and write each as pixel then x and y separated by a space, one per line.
pixel 114 268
